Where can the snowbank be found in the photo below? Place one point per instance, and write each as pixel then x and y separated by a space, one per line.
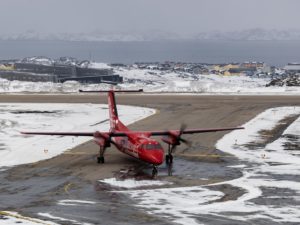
pixel 158 81
pixel 20 149
pixel 262 169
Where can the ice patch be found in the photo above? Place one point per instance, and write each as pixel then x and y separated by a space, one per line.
pixel 70 202
pixel 237 166
pixel 183 205
pixel 180 203
pixel 131 183
pixel 48 215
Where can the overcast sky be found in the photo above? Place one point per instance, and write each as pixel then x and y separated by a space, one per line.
pixel 180 16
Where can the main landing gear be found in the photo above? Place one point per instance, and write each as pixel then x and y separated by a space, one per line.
pixel 169 159
pixel 169 156
pixel 100 158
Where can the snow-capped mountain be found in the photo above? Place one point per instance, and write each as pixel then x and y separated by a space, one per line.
pixel 251 34
pixel 156 35
pixel 94 36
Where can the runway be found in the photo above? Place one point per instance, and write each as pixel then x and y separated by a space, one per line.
pixel 35 188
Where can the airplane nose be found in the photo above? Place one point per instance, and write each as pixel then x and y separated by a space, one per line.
pixel 156 158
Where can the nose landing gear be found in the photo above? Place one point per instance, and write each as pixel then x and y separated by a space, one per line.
pixel 154 172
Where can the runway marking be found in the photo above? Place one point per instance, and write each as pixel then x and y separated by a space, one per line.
pixel 67 187
pixel 78 153
pixel 3 213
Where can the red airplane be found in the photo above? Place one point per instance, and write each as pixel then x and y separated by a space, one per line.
pixel 137 144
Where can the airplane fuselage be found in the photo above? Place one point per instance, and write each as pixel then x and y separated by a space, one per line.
pixel 139 146
pixel 145 149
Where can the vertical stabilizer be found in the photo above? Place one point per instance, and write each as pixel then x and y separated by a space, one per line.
pixel 113 112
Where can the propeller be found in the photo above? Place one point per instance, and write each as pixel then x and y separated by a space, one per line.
pixel 182 129
pixel 103 139
pixel 175 138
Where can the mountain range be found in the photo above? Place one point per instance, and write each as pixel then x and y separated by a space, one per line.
pixel 157 35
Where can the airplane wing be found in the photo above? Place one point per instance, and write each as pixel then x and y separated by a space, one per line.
pixel 168 132
pixel 149 133
pixel 61 133
pixel 194 131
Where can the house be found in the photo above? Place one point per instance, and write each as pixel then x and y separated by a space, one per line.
pixel 241 71
pixel 260 66
pixel 292 68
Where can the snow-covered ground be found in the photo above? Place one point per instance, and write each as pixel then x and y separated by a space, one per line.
pixel 16 148
pixel 132 183
pixel 269 181
pixel 12 218
pixel 158 81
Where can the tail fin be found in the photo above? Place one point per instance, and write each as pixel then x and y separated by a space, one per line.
pixel 113 112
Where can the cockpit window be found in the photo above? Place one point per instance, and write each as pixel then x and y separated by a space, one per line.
pixel 152 146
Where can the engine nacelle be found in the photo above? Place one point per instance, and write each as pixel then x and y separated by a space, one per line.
pixel 171 140
pixel 102 140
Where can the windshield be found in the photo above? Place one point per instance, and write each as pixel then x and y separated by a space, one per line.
pixel 152 146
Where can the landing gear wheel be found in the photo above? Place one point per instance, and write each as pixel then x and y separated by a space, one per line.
pixel 169 159
pixel 154 172
pixel 100 159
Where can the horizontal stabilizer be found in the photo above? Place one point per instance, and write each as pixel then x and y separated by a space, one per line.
pixel 105 91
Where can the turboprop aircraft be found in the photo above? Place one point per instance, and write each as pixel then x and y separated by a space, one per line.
pixel 137 144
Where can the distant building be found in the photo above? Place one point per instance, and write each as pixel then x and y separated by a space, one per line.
pixel 253 65
pixel 292 68
pixel 6 67
pixel 259 66
pixel 241 71
pixel 25 76
pixel 28 71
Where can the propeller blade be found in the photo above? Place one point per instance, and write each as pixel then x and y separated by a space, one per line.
pixel 182 128
pixel 187 142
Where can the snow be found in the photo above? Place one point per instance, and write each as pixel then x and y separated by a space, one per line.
pixel 97 65
pixel 183 204
pixel 180 203
pixel 73 202
pixel 159 35
pixel 132 183
pixel 266 120
pixel 165 81
pixel 12 218
pixel 18 149
pixel 294 130
pixel 48 215
pixel 159 81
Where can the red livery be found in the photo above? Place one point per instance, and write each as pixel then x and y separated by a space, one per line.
pixel 137 144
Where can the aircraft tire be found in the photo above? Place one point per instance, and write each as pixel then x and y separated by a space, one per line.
pixel 154 172
pixel 100 160
pixel 167 159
